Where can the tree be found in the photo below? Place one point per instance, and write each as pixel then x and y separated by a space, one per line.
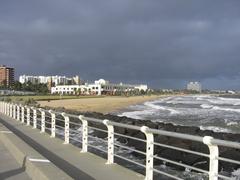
pixel 38 88
pixel 17 86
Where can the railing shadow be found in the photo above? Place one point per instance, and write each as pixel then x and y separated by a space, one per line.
pixel 14 172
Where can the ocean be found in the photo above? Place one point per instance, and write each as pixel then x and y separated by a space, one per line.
pixel 205 111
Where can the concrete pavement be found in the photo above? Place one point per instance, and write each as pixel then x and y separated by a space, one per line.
pixel 67 158
pixel 9 168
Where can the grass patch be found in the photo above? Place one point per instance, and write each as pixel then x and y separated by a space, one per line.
pixel 49 97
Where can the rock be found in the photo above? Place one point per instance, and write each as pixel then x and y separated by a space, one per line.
pixel 230 154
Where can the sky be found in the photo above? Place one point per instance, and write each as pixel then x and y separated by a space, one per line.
pixel 164 43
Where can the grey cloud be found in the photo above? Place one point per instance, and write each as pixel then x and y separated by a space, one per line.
pixel 163 43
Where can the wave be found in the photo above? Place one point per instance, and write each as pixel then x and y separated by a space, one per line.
pixel 206 106
pixel 220 100
pixel 158 107
pixel 217 108
pixel 226 109
pixel 232 124
pixel 133 114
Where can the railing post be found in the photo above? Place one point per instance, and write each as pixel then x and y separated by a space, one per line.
pixel 2 107
pixel 84 134
pixel 18 113
pixel 5 108
pixel 42 121
pixel 14 111
pixel 9 109
pixel 110 141
pixel 149 152
pixel 23 114
pixel 66 128
pixel 34 118
pixel 10 112
pixel 28 116
pixel 53 124
pixel 213 158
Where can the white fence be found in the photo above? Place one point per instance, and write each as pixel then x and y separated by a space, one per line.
pixel 37 118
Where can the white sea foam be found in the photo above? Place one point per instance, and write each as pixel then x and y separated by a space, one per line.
pixel 139 114
pixel 158 107
pixel 222 114
pixel 225 109
pixel 218 108
pixel 236 173
pixel 206 106
pixel 221 101
pixel 232 123
pixel 215 129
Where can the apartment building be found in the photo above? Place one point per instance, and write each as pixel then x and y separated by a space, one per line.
pixel 54 80
pixel 6 76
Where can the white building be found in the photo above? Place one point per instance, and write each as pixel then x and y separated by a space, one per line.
pixel 56 80
pixel 88 89
pixel 194 86
pixel 100 87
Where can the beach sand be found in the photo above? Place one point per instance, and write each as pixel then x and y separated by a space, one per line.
pixel 103 105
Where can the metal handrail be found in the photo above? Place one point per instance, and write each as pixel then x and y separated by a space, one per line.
pixel 37 117
pixel 176 135
pixel 181 149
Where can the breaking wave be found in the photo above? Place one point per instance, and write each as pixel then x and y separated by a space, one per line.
pixel 158 107
pixel 207 112
pixel 206 106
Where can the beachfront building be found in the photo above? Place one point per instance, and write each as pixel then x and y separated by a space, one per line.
pixel 6 76
pixel 55 80
pixel 99 87
pixel 194 86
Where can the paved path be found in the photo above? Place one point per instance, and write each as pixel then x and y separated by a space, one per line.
pixel 68 158
pixel 9 167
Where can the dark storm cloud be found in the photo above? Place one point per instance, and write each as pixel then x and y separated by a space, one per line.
pixel 163 43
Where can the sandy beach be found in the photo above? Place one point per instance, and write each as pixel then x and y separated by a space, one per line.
pixel 102 105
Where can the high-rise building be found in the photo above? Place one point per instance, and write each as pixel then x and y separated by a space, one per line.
pixel 55 80
pixel 194 86
pixel 6 76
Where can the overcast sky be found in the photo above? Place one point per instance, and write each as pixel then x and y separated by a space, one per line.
pixel 164 43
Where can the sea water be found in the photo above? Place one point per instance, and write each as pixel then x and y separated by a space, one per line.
pixel 204 111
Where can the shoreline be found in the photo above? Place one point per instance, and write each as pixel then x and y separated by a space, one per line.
pixel 105 105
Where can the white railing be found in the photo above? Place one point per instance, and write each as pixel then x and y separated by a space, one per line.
pixel 39 118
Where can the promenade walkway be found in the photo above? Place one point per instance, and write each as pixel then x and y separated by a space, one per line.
pixel 66 160
pixel 9 168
